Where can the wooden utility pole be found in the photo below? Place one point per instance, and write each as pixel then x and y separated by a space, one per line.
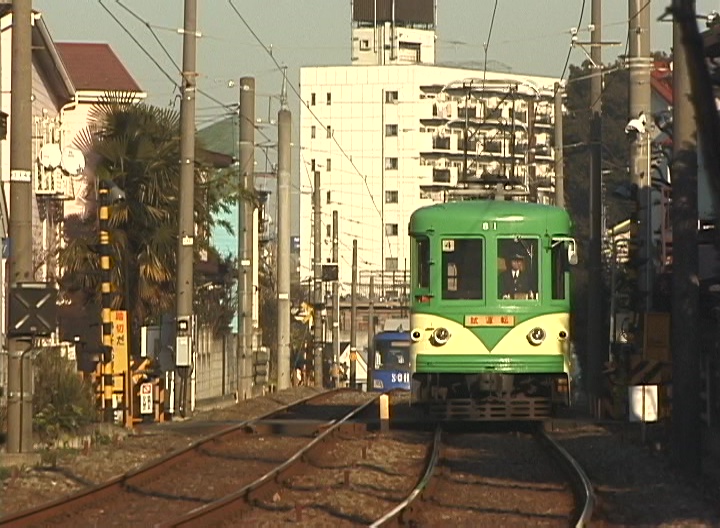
pixel 686 434
pixel 595 304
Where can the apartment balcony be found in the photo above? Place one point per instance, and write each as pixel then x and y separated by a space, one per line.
pixel 437 177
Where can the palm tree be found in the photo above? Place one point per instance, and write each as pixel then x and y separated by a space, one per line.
pixel 137 147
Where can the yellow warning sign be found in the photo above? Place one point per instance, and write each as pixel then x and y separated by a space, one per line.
pixel 120 346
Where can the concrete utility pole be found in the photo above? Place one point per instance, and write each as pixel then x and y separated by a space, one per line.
pixel 20 375
pixel 686 428
pixel 595 304
pixel 283 249
pixel 317 276
pixel 559 154
pixel 531 167
pixel 639 65
pixel 186 224
pixel 371 331
pixel 353 314
pixel 246 217
pixel 336 297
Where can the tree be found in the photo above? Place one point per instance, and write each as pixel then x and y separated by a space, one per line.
pixel 137 147
pixel 615 155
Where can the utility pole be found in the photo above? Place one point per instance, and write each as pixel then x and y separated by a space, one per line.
pixel 246 217
pixel 371 332
pixel 20 375
pixel 353 315
pixel 639 65
pixel 595 304
pixel 336 298
pixel 467 87
pixel 186 224
pixel 559 154
pixel 283 248
pixel 317 273
pixel 531 168
pixel 686 429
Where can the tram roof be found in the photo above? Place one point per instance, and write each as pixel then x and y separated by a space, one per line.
pixel 469 215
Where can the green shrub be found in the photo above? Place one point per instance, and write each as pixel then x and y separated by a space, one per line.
pixel 63 402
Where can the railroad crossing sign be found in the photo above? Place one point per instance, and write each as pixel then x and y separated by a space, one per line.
pixel 146 398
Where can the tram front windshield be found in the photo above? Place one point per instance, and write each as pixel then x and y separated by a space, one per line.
pixel 392 354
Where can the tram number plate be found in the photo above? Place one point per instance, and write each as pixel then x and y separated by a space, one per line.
pixel 489 320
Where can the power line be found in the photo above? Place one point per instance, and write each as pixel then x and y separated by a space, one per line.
pixel 297 93
pixel 486 44
pixel 137 42
pixel 152 31
pixel 567 58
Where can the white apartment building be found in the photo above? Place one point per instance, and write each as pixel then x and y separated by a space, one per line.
pixel 388 136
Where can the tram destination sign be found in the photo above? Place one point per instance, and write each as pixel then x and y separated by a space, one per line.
pixel 489 320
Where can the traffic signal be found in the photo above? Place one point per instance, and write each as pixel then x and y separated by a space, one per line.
pixel 261 366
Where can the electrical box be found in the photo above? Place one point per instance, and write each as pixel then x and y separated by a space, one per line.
pixel 183 342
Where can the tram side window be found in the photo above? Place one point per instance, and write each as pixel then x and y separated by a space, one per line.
pixel 462 268
pixel 517 268
pixel 422 248
pixel 560 267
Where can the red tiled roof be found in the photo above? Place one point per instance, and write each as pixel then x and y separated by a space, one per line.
pixel 94 66
pixel 661 80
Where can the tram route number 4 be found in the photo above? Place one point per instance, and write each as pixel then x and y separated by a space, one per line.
pixel 146 398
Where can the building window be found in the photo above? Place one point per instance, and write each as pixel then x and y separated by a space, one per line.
pixel 391 264
pixel 312 99
pixel 364 45
pixel 391 163
pixel 312 165
pixel 329 197
pixel 391 229
pixel 391 97
pixel 312 131
pixel 328 164
pixel 391 197
pixel 391 130
pixel 329 98
pixel 329 131
pixel 328 231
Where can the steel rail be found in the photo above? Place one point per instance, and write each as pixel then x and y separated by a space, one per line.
pixel 72 503
pixel 582 487
pixel 217 511
pixel 397 512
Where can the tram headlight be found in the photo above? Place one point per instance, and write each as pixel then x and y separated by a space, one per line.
pixel 536 336
pixel 416 335
pixel 440 336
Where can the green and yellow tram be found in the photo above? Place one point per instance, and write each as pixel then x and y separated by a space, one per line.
pixel 490 309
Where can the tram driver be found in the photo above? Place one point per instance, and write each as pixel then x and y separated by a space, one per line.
pixel 515 282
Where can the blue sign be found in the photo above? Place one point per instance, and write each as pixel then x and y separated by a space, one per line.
pixel 385 380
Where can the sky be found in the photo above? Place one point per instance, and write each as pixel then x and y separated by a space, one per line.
pixel 239 36
pixel 527 36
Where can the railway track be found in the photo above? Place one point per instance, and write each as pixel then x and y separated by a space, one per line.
pixel 459 487
pixel 199 477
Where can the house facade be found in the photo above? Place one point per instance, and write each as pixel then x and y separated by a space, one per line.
pixel 61 100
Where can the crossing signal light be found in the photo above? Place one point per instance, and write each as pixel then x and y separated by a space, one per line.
pixel 261 366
